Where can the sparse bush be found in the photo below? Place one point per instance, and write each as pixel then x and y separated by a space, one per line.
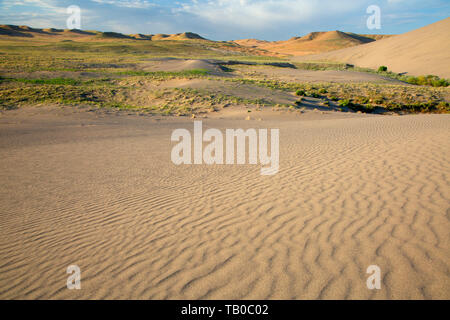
pixel 443 106
pixel 382 69
pixel 166 74
pixel 300 93
pixel 54 81
pixel 362 100
pixel 333 98
pixel 429 80
pixel 368 108
pixel 344 103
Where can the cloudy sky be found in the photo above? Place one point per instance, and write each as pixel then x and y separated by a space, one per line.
pixel 227 19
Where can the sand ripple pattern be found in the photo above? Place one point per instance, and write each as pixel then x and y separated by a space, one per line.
pixel 350 193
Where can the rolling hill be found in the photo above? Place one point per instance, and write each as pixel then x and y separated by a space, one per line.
pixel 62 34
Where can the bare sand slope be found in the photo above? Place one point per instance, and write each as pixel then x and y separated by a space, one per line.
pixel 233 89
pixel 419 52
pixel 174 65
pixel 102 193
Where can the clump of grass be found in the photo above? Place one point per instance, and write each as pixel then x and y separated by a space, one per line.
pixel 429 80
pixel 313 94
pixel 165 74
pixel 51 81
pixel 382 69
pixel 443 106
pixel 333 98
pixel 300 93
pixel 344 103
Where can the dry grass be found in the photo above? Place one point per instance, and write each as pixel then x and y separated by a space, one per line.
pixel 69 72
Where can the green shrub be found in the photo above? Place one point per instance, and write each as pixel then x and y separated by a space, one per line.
pixel 344 103
pixel 55 81
pixel 443 106
pixel 368 108
pixel 382 69
pixel 334 98
pixel 300 93
pixel 362 100
pixel 162 74
pixel 429 80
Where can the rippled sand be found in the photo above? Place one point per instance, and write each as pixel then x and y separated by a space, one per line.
pixel 103 194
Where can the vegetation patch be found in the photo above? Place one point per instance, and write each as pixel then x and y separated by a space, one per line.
pixel 166 74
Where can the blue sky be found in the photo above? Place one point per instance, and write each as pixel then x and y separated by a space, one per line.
pixel 227 19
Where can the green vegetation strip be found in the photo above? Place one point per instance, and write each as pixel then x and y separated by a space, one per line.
pixel 54 81
pixel 424 80
pixel 186 73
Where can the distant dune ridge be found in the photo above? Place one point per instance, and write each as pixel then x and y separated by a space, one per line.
pixel 312 43
pixel 419 52
pixel 25 31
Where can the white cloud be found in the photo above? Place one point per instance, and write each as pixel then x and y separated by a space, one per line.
pixel 138 4
pixel 50 6
pixel 256 14
pixel 39 13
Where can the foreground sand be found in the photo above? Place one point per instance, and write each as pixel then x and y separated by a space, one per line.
pixel 102 193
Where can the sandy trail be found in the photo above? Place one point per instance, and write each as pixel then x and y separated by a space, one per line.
pixel 227 88
pixel 102 193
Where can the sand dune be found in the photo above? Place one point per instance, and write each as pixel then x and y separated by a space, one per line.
pixel 312 43
pixel 101 192
pixel 174 65
pixel 419 52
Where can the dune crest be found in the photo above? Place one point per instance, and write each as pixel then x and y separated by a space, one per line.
pixel 312 43
pixel 25 31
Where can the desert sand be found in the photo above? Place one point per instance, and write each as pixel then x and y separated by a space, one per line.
pixel 312 43
pixel 419 52
pixel 99 191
